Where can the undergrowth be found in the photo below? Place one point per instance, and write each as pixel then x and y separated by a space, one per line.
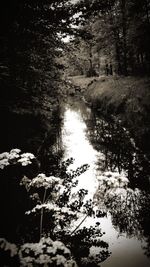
pixel 42 219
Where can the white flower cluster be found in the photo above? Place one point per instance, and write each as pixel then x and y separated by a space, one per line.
pixel 113 193
pixel 8 247
pixel 52 207
pixel 14 157
pixel 26 159
pixel 111 184
pixel 43 181
pixel 7 158
pixel 46 253
pixel 47 206
pixel 113 180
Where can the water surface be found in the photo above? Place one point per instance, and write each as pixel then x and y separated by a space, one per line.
pixel 90 140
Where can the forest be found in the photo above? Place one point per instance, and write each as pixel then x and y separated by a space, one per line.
pixel 94 54
pixel 113 38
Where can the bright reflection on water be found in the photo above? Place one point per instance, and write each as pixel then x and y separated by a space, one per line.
pixel 126 251
pixel 76 145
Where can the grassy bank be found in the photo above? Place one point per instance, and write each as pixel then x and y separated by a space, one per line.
pixel 126 98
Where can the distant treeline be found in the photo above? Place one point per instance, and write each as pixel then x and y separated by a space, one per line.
pixel 115 33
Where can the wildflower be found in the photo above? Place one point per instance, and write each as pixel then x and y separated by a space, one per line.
pixel 47 252
pixel 3 163
pixel 26 159
pixel 15 150
pixel 4 155
pixel 6 246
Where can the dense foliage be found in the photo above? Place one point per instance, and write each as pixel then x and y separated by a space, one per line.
pixel 30 43
pixel 41 220
pixel 30 73
pixel 115 36
pixel 46 217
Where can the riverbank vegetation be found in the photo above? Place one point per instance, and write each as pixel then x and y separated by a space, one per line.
pixel 121 98
pixel 110 61
pixel 107 42
pixel 30 73
pixel 43 212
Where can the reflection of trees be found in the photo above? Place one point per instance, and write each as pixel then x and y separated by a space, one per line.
pixel 129 209
pixel 50 151
pixel 119 149
pixel 131 214
pixel 126 206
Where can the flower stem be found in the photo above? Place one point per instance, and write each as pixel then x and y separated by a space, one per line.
pixel 42 213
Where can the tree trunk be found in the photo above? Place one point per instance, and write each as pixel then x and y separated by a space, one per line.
pixel 118 55
pixel 124 31
pixel 147 11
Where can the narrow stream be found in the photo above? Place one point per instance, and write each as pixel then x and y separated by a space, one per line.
pixel 77 145
pixel 123 230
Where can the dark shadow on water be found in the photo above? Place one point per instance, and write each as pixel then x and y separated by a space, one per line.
pixel 120 151
pixel 128 205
